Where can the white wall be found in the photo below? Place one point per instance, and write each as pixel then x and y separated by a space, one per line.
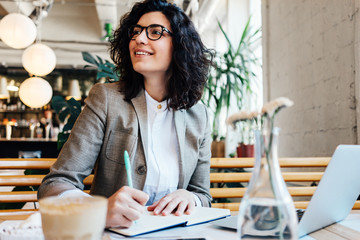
pixel 311 55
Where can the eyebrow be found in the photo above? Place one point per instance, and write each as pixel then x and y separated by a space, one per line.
pixel 155 24
pixel 151 24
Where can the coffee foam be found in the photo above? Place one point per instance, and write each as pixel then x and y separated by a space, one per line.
pixel 69 205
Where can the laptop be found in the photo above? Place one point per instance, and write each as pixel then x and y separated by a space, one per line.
pixel 334 197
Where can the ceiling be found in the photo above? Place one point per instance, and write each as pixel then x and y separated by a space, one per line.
pixel 73 26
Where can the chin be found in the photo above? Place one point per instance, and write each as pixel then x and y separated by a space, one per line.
pixel 140 70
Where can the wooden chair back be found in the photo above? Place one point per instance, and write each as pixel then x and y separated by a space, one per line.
pixel 300 174
pixel 31 181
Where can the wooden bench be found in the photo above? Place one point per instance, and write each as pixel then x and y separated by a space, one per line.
pixel 302 172
pixel 298 173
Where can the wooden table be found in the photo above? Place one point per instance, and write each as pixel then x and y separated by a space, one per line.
pixel 347 229
pixel 21 215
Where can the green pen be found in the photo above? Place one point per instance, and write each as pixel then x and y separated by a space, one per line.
pixel 128 168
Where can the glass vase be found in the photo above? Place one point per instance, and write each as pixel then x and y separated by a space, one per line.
pixel 267 209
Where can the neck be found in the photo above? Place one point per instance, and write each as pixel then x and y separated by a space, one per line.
pixel 156 87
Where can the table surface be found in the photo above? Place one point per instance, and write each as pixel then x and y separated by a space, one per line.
pixel 346 229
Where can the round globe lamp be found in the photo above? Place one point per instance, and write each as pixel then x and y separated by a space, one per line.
pixel 17 30
pixel 35 92
pixel 39 59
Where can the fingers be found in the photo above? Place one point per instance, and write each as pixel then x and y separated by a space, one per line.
pixel 190 209
pixel 139 196
pixel 181 208
pixel 116 215
pixel 167 205
pixel 132 198
pixel 125 206
pixel 114 219
pixel 180 200
pixel 152 206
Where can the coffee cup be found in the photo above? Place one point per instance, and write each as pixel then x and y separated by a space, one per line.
pixel 73 218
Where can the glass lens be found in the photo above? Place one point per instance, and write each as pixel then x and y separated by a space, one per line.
pixel 154 32
pixel 134 32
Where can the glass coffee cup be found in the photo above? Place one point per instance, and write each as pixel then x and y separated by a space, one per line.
pixel 73 218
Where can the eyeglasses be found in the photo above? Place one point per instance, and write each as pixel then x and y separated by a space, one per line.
pixel 153 32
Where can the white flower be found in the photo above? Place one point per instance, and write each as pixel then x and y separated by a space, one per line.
pixel 270 107
pixel 254 114
pixel 239 116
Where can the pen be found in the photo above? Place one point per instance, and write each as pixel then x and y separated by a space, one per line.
pixel 128 168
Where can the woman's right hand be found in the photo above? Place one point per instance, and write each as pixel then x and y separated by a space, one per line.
pixel 125 206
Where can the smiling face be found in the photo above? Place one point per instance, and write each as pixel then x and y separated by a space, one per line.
pixel 152 58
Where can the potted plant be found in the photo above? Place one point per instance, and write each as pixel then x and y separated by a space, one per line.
pixel 244 122
pixel 230 80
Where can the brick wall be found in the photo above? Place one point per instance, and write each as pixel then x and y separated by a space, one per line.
pixel 311 56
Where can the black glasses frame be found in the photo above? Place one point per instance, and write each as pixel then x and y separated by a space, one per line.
pixel 131 36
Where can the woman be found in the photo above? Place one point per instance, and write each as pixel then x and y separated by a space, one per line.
pixel 152 112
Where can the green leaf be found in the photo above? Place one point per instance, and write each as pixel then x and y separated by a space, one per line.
pixel 63 114
pixel 89 58
pixel 57 103
pixel 244 34
pixel 105 69
pixel 62 138
pixel 225 35
pixel 101 61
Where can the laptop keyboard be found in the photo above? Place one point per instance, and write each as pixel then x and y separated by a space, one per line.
pixel 300 213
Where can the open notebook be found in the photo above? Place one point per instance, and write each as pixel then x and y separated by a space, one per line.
pixel 149 222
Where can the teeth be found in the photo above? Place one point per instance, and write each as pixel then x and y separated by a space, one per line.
pixel 142 53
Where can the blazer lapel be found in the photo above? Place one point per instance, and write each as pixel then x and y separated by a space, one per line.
pixel 139 103
pixel 180 126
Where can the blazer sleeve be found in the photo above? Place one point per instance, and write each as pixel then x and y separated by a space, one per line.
pixel 200 181
pixel 80 152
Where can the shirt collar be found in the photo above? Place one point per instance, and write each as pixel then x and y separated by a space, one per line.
pixel 155 105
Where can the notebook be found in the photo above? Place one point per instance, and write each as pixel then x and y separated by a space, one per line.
pixel 149 222
pixel 334 197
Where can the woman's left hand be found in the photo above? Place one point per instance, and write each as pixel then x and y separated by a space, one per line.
pixel 181 200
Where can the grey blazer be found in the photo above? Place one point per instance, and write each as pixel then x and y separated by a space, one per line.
pixel 107 126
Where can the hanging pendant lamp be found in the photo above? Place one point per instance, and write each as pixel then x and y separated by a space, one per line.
pixel 17 30
pixel 35 92
pixel 39 59
pixel 74 90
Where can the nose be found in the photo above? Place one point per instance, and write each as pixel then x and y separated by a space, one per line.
pixel 142 38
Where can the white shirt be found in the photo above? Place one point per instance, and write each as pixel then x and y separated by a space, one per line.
pixel 163 151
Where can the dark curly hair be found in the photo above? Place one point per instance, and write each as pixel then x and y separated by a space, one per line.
pixel 190 59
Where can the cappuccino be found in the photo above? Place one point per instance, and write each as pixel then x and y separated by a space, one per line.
pixel 73 218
